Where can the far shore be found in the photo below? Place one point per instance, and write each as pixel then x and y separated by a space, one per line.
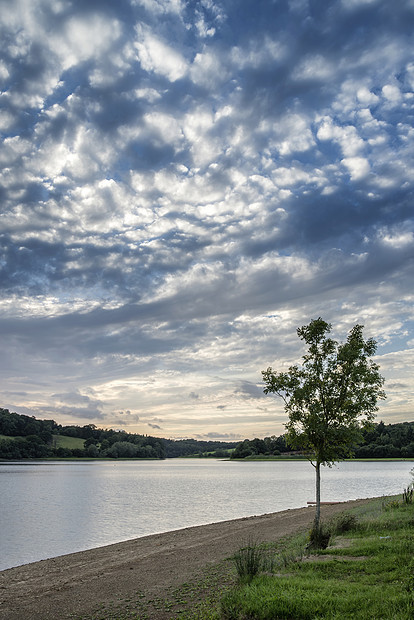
pixel 203 458
pixel 78 584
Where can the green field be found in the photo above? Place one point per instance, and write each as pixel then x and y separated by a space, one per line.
pixel 63 441
pixel 59 441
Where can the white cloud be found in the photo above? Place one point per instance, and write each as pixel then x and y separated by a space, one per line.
pixel 155 55
pixel 399 240
pixel 258 53
pixel 295 175
pixel 165 126
pixel 314 67
pixel 391 93
pixel 6 121
pixel 150 94
pixel 203 28
pixel 298 134
pixel 358 167
pixel 208 70
pixel 4 72
pixel 366 97
pixel 347 137
pixel 160 7
pixel 85 38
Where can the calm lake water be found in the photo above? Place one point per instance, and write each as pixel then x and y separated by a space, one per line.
pixel 51 508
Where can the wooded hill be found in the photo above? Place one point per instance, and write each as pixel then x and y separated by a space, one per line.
pixel 380 441
pixel 25 437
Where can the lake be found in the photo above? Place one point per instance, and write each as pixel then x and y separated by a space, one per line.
pixel 50 508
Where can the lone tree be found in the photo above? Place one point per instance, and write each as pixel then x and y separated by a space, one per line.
pixel 330 397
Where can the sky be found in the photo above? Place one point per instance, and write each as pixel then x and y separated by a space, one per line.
pixel 183 185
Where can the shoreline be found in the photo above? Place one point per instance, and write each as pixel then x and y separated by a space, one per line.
pixel 78 583
pixel 247 459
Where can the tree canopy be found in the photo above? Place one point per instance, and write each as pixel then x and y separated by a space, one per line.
pixel 379 440
pixel 330 397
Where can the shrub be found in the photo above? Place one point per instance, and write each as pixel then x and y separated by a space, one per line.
pixel 392 504
pixel 319 537
pixel 344 522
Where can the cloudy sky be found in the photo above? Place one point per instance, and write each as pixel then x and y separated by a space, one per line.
pixel 183 184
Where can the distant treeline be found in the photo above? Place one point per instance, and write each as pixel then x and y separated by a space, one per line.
pixel 380 441
pixel 25 437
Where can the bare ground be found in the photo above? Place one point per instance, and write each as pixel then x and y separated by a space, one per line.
pixel 77 584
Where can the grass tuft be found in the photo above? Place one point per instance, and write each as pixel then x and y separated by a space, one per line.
pixel 408 495
pixel 249 560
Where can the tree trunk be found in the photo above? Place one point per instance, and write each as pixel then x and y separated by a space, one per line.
pixel 318 495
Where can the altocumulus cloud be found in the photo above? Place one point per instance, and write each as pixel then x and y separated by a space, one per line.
pixel 185 183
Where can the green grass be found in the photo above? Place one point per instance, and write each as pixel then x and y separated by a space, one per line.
pixel 311 596
pixel 63 441
pixel 369 573
pixel 59 441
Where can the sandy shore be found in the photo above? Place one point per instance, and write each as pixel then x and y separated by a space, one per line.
pixel 78 583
